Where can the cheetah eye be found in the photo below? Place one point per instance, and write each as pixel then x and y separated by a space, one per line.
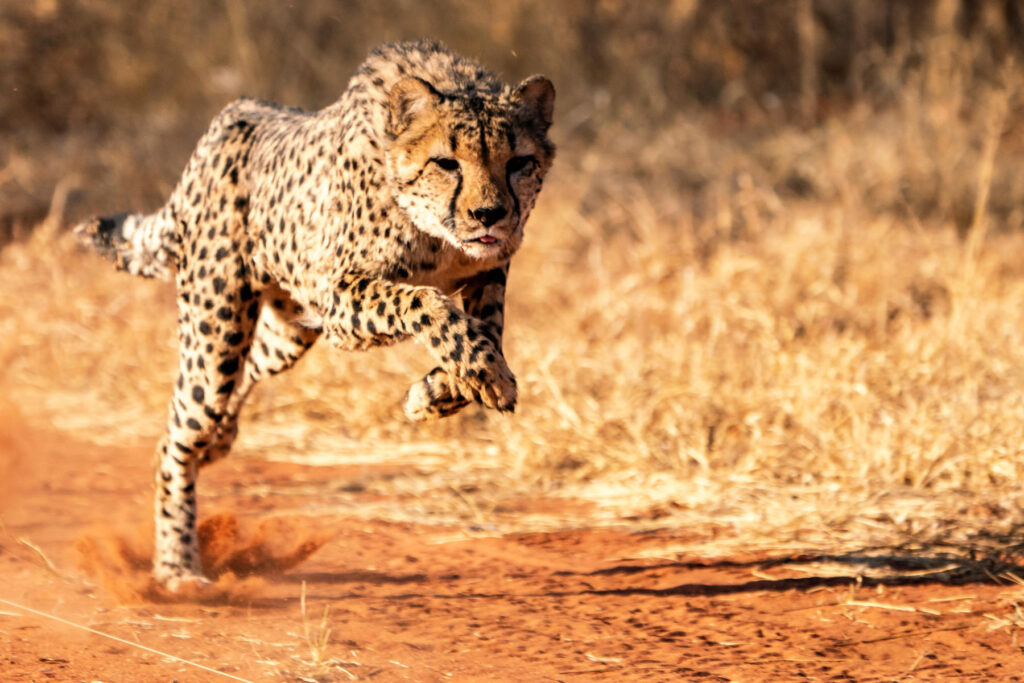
pixel 446 163
pixel 517 164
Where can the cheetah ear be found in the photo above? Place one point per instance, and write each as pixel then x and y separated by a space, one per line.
pixel 409 100
pixel 536 98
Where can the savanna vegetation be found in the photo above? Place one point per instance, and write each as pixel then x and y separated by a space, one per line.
pixel 774 283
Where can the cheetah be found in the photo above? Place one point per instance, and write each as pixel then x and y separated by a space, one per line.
pixel 391 214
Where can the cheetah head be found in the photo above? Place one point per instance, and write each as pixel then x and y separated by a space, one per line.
pixel 467 166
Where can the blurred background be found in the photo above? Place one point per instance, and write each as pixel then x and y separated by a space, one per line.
pixel 773 283
pixel 695 95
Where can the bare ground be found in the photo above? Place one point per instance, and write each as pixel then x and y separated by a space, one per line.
pixel 389 600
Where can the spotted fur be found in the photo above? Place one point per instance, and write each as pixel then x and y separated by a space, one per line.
pixel 367 223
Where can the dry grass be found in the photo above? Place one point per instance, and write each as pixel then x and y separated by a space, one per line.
pixel 810 333
pixel 830 369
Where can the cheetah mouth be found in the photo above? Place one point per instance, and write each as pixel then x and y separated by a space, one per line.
pixel 483 239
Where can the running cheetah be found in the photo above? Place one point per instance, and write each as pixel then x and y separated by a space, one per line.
pixel 361 223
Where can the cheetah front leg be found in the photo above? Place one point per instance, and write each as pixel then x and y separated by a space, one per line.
pixel 483 297
pixel 365 312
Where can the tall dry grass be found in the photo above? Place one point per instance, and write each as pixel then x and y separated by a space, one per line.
pixel 802 322
pixel 805 374
pixel 109 97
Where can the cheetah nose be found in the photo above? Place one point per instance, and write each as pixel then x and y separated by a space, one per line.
pixel 489 215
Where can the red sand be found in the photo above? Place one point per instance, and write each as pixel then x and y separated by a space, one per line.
pixel 405 602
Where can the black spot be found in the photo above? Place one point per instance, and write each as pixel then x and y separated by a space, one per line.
pixel 224 313
pixel 219 284
pixel 198 394
pixel 193 424
pixel 495 277
pixel 228 367
pixel 456 353
pixel 204 327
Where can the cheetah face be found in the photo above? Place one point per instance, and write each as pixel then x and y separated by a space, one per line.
pixel 466 167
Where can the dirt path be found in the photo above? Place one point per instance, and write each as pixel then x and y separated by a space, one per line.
pixel 401 601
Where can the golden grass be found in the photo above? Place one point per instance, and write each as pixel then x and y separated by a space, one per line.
pixel 832 375
pixel 802 334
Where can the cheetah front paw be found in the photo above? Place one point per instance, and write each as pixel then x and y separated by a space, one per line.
pixel 431 398
pixel 487 381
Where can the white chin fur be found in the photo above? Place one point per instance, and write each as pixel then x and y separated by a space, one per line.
pixel 481 251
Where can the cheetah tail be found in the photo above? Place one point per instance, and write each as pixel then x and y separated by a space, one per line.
pixel 136 243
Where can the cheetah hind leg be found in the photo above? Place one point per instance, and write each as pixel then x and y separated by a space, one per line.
pixel 431 398
pixel 279 342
